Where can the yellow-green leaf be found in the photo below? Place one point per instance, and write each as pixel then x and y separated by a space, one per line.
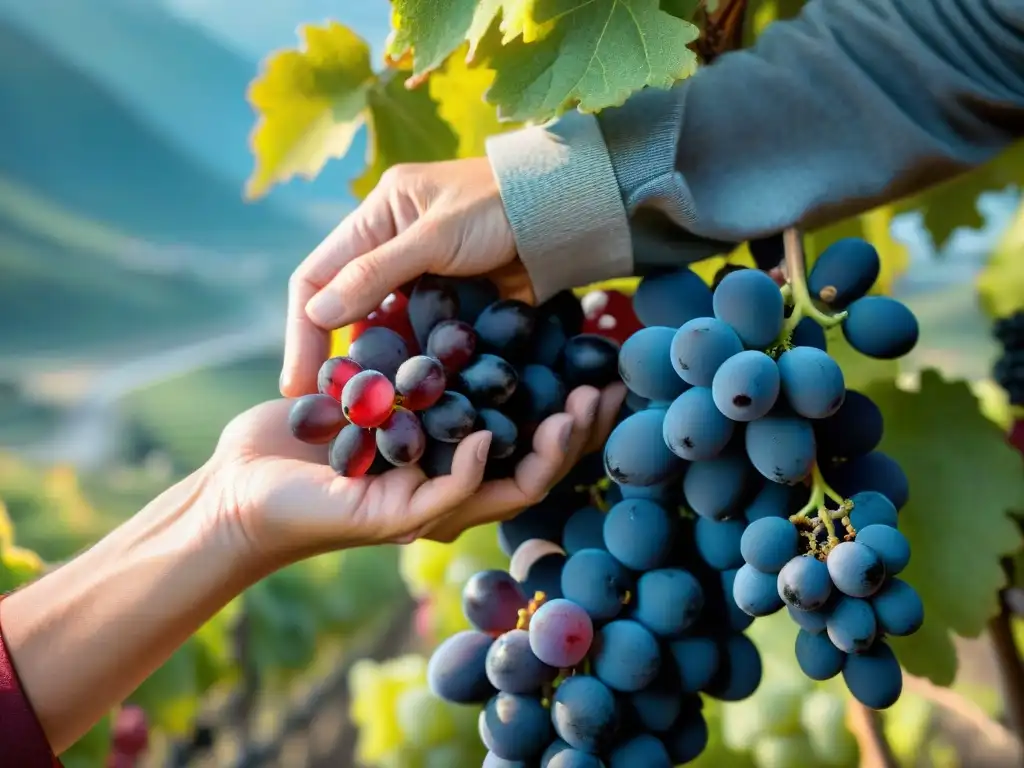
pixel 599 52
pixel 963 478
pixel 433 29
pixel 170 695
pixel 1001 283
pixel 310 102
pixel 405 127
pixel 459 92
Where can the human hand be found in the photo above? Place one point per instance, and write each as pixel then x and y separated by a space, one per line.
pixel 439 218
pixel 279 497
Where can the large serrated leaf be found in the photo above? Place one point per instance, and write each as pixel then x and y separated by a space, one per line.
pixel 433 29
pixel 597 54
pixel 1001 283
pixel 963 479
pixel 310 103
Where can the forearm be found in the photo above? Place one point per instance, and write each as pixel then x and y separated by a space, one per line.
pixel 847 107
pixel 85 636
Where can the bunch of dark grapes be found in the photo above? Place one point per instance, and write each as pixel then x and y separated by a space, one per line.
pixel 424 372
pixel 1009 368
pixel 745 479
pixel 130 737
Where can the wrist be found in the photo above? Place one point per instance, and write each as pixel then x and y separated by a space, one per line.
pixel 83 637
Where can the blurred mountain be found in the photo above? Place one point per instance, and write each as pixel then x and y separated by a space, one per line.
pixel 184 84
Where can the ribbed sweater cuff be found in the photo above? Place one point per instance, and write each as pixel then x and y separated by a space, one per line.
pixel 563 201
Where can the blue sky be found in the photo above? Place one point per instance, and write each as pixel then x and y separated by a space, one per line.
pixel 256 27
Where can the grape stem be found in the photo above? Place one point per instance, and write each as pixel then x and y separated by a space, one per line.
pixel 820 491
pixel 866 726
pixel 803 304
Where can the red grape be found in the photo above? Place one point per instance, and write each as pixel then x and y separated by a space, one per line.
pixel 453 342
pixel 401 439
pixel 368 399
pixel 391 314
pixel 353 451
pixel 316 419
pixel 334 375
pixel 131 731
pixel 610 314
pixel 420 381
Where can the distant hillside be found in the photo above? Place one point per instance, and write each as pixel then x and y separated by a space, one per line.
pixel 65 137
pixel 181 82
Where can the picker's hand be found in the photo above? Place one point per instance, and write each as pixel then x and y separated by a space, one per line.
pixel 280 497
pixel 439 218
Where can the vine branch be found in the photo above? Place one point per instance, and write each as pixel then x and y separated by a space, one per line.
pixel 1011 667
pixel 866 725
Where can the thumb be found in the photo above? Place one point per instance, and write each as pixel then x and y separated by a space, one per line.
pixel 366 281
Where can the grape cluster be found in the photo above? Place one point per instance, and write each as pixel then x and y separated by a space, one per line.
pixel 424 372
pixel 1009 368
pixel 130 737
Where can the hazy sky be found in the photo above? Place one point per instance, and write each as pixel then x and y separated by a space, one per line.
pixel 256 27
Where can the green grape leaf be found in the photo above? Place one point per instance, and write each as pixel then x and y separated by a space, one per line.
pixel 170 695
pixel 282 611
pixel 1001 283
pixel 963 478
pixel 459 92
pixel 215 648
pixel 92 750
pixel 310 102
pixel 433 29
pixel 954 203
pixel 907 725
pixel 598 53
pixel 405 127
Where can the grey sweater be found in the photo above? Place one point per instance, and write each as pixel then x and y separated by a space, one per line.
pixel 850 105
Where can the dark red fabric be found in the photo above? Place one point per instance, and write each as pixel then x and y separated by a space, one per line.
pixel 22 741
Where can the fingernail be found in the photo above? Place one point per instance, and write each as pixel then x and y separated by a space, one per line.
pixel 484 448
pixel 324 309
pixel 565 436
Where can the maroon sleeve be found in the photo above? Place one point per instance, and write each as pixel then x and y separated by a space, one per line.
pixel 22 741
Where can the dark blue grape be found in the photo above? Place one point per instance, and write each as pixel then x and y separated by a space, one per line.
pixel 639 533
pixel 626 656
pixel 718 542
pixel 746 386
pixel 645 364
pixel 715 488
pixel 432 300
pixel 545 575
pixel 584 530
pixel 811 621
pixel 781 448
pixel 809 333
pixel 872 508
pixel 475 294
pixel 539 394
pixel 491 601
pixel 645 750
pixel 874 677
pixel 694 428
pixel 751 303
pixel 457 669
pixel 505 328
pixel 515 727
pixel 844 272
pixel 589 360
pixel 696 661
pixel 687 738
pixel 437 458
pixel 636 454
pixel 700 347
pixel 451 419
pixel 657 706
pixel 889 544
pixel 769 543
pixel 503 432
pixel 804 583
pixel 875 471
pixel 668 601
pixel 544 520
pixel 512 667
pixel 773 500
pixel 585 714
pixel 898 608
pixel 881 327
pixel 856 569
pixel 379 349
pixel 565 307
pixel 672 299
pixel 755 592
pixel 817 657
pixel 812 382
pixel 488 381
pixel 573 758
pixel 597 582
pixel 739 670
pixel 851 625
pixel 734 617
pixel 548 341
pixel 854 430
